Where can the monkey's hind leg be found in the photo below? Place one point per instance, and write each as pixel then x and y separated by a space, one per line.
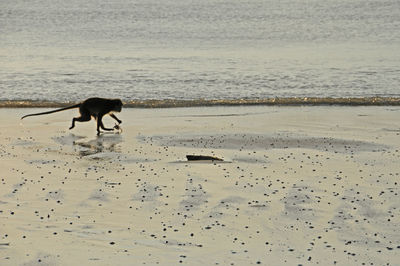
pixel 82 118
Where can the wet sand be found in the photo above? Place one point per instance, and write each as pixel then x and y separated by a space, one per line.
pixel 298 185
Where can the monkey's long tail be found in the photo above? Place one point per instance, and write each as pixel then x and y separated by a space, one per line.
pixel 54 111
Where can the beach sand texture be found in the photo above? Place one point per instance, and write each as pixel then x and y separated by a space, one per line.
pixel 298 185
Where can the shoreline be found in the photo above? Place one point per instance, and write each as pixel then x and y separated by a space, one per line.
pixel 289 101
pixel 298 185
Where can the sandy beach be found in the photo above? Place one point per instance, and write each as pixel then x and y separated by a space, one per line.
pixel 298 186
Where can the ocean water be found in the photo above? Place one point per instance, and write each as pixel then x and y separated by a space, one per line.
pixel 64 51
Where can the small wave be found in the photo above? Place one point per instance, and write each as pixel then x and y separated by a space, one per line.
pixel 291 101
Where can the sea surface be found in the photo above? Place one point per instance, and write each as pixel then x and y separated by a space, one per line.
pixel 198 50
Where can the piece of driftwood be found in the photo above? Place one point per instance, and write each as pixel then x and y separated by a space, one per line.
pixel 202 158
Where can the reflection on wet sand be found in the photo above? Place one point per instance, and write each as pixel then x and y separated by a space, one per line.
pixel 101 144
pixel 83 146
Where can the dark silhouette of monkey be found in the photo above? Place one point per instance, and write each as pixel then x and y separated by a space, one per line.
pixel 92 107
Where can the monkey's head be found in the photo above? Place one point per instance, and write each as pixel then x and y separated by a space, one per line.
pixel 117 105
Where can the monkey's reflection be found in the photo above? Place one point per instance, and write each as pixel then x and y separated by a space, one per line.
pixel 102 143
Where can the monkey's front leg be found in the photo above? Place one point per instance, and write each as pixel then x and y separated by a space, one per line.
pixel 116 118
pixel 100 125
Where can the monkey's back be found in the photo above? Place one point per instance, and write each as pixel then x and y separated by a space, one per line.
pixel 100 106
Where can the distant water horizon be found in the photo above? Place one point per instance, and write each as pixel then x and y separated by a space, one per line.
pixel 177 52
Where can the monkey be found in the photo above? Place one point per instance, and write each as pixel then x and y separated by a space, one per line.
pixel 92 107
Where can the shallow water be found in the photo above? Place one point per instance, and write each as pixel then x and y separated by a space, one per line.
pixel 178 50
